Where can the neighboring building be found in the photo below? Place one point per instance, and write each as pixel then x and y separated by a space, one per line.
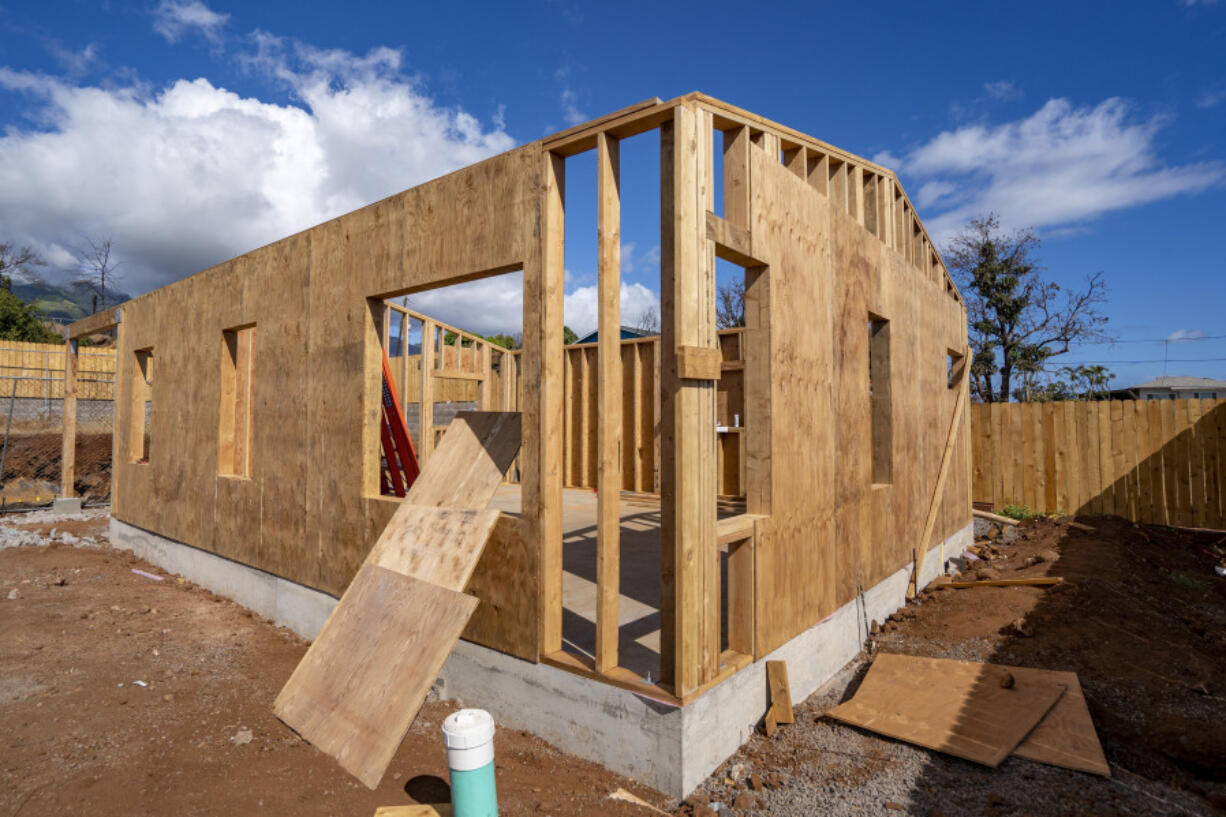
pixel 1170 388
pixel 628 333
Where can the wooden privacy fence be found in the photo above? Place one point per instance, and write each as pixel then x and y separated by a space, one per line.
pixel 640 449
pixel 37 370
pixel 1156 461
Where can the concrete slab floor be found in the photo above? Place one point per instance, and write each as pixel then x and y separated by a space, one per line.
pixel 638 610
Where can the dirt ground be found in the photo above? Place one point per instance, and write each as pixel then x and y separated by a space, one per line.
pixel 1141 618
pixel 79 735
pixel 32 468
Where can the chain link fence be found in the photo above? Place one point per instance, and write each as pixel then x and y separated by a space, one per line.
pixel 32 419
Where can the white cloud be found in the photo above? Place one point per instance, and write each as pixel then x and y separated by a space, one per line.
pixel 570 108
pixel 1059 167
pixel 190 174
pixel 633 261
pixel 489 306
pixel 886 159
pixel 582 312
pixel 494 305
pixel 172 18
pixel 1003 90
pixel 1211 97
pixel 1183 335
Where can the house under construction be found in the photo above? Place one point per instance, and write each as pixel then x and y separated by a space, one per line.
pixel 668 512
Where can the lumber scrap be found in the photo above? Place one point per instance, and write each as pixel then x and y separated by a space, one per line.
pixel 957 707
pixel 1034 581
pixel 781 696
pixel 995 517
pixel 416 810
pixel 356 692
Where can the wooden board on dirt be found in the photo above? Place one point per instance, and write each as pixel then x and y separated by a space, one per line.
pixel 1066 736
pixel 356 692
pixel 956 707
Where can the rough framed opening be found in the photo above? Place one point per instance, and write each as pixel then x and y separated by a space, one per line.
pixel 141 409
pixel 881 408
pixel 237 389
pixel 447 349
pixel 955 364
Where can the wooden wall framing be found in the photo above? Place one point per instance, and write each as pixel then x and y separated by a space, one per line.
pixel 825 238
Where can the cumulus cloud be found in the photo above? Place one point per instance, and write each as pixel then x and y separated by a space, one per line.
pixel 173 18
pixel 582 308
pixel 489 306
pixel 495 305
pixel 190 174
pixel 1061 166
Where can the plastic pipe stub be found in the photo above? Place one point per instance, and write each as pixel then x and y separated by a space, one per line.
pixel 469 737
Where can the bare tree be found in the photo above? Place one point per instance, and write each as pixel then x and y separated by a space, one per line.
pixel 20 261
pixel 1017 319
pixel 730 304
pixel 96 271
pixel 648 321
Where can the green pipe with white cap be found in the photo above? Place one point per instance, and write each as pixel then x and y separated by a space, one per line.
pixel 469 736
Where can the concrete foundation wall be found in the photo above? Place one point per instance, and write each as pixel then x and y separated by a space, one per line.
pixel 671 749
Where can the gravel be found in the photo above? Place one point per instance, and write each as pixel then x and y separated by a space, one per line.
pixel 823 767
pixel 14 537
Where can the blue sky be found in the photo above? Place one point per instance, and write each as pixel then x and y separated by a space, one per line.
pixel 191 132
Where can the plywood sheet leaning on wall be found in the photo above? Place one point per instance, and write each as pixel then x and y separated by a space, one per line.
pixel 469 462
pixel 356 692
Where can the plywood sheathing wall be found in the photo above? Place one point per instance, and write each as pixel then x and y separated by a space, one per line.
pixel 311 510
pixel 830 529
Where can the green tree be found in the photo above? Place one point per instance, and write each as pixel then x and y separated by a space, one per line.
pixel 1068 383
pixel 19 320
pixel 505 341
pixel 568 335
pixel 1018 321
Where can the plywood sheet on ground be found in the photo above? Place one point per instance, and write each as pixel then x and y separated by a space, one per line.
pixel 1065 737
pixel 956 707
pixel 357 690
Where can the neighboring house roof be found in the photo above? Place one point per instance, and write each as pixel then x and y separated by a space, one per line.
pixel 627 333
pixel 1180 383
